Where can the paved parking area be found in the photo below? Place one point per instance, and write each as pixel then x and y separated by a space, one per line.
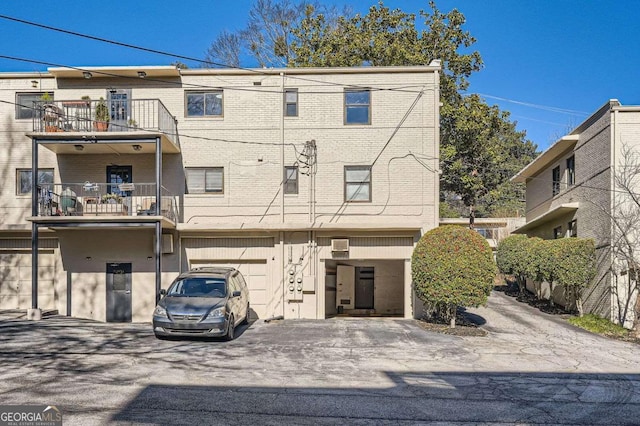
pixel 530 369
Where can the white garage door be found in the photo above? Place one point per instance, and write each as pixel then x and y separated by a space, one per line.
pixel 254 273
pixel 15 280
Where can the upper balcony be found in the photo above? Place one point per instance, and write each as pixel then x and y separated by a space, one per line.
pixel 61 125
pixel 101 203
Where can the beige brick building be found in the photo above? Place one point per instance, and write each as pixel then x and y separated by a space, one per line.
pixel 315 183
pixel 571 190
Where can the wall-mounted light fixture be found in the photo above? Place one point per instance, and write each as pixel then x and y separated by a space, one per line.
pixel 88 257
pixel 79 147
pixel 142 74
pixel 87 75
pixel 34 83
pixel 136 147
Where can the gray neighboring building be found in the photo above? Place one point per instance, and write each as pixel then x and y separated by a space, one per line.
pixel 571 191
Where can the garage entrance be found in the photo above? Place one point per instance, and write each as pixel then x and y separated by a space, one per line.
pixel 15 280
pixel 255 274
pixel 364 288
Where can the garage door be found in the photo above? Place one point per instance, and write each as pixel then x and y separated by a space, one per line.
pixel 255 274
pixel 15 280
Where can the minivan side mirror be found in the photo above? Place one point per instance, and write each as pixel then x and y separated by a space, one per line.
pixel 163 292
pixel 236 293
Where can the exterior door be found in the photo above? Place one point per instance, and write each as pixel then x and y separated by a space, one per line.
pixel 117 175
pixel 118 292
pixel 345 287
pixel 119 103
pixel 364 288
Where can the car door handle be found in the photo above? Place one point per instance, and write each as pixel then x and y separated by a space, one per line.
pixel 127 292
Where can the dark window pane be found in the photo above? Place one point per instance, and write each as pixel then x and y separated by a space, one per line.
pixel 195 104
pixel 292 110
pixel 357 115
pixel 213 103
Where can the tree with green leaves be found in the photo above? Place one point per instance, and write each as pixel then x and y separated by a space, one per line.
pixel 453 266
pixel 480 147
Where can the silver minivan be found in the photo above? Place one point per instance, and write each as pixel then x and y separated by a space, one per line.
pixel 203 302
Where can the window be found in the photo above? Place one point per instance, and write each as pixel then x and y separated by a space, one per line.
pixel 204 104
pixel 556 180
pixel 572 230
pixel 291 102
pixel 23 180
pixel 205 180
pixel 557 232
pixel 571 171
pixel 24 104
pixel 357 107
pixel 291 180
pixel 357 183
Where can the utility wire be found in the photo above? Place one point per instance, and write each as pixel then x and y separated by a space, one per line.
pixel 169 54
pixel 201 86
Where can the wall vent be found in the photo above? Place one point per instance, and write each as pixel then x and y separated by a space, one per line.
pixel 340 245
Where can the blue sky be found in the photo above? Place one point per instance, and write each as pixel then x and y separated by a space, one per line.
pixel 550 63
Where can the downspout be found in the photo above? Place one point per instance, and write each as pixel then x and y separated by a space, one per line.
pixel 282 146
pixel 34 224
pixel 158 233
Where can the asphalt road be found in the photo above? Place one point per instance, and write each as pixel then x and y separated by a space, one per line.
pixel 530 369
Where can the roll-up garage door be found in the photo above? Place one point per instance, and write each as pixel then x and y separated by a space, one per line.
pixel 255 274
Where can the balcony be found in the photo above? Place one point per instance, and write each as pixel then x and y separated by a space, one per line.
pixel 95 121
pixel 68 202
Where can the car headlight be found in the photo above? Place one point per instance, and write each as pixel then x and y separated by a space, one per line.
pixel 217 313
pixel 160 312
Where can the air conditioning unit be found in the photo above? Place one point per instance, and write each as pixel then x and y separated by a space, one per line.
pixel 340 245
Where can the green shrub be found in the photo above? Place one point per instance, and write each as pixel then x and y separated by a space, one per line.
pixel 511 258
pixel 532 259
pixel 596 324
pixel 453 266
pixel 575 266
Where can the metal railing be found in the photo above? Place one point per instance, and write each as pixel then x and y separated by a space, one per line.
pixel 105 199
pixel 130 115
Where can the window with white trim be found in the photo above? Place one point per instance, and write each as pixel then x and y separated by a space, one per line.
pixel 24 104
pixel 23 180
pixel 204 104
pixel 291 102
pixel 357 106
pixel 205 180
pixel 291 179
pixel 357 183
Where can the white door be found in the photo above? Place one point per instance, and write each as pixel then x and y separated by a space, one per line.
pixel 345 288
pixel 255 274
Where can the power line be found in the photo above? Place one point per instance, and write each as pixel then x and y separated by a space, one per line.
pixel 170 54
pixel 543 107
pixel 202 86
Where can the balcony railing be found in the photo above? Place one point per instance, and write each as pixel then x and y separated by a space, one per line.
pixel 131 115
pixel 105 199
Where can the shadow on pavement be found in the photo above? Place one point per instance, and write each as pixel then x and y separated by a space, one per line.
pixel 503 397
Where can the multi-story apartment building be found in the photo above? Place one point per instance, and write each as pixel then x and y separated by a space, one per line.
pixel 315 183
pixel 572 189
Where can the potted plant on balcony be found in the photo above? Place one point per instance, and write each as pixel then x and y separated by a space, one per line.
pixel 102 116
pixel 50 113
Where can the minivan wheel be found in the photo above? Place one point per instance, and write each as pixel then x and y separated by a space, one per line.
pixel 245 321
pixel 231 329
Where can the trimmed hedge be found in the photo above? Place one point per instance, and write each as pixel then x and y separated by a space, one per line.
pixel 570 262
pixel 511 257
pixel 453 266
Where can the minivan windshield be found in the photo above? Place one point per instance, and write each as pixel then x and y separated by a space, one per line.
pixel 198 287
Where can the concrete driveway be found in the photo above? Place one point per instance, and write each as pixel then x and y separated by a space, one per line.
pixel 530 369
